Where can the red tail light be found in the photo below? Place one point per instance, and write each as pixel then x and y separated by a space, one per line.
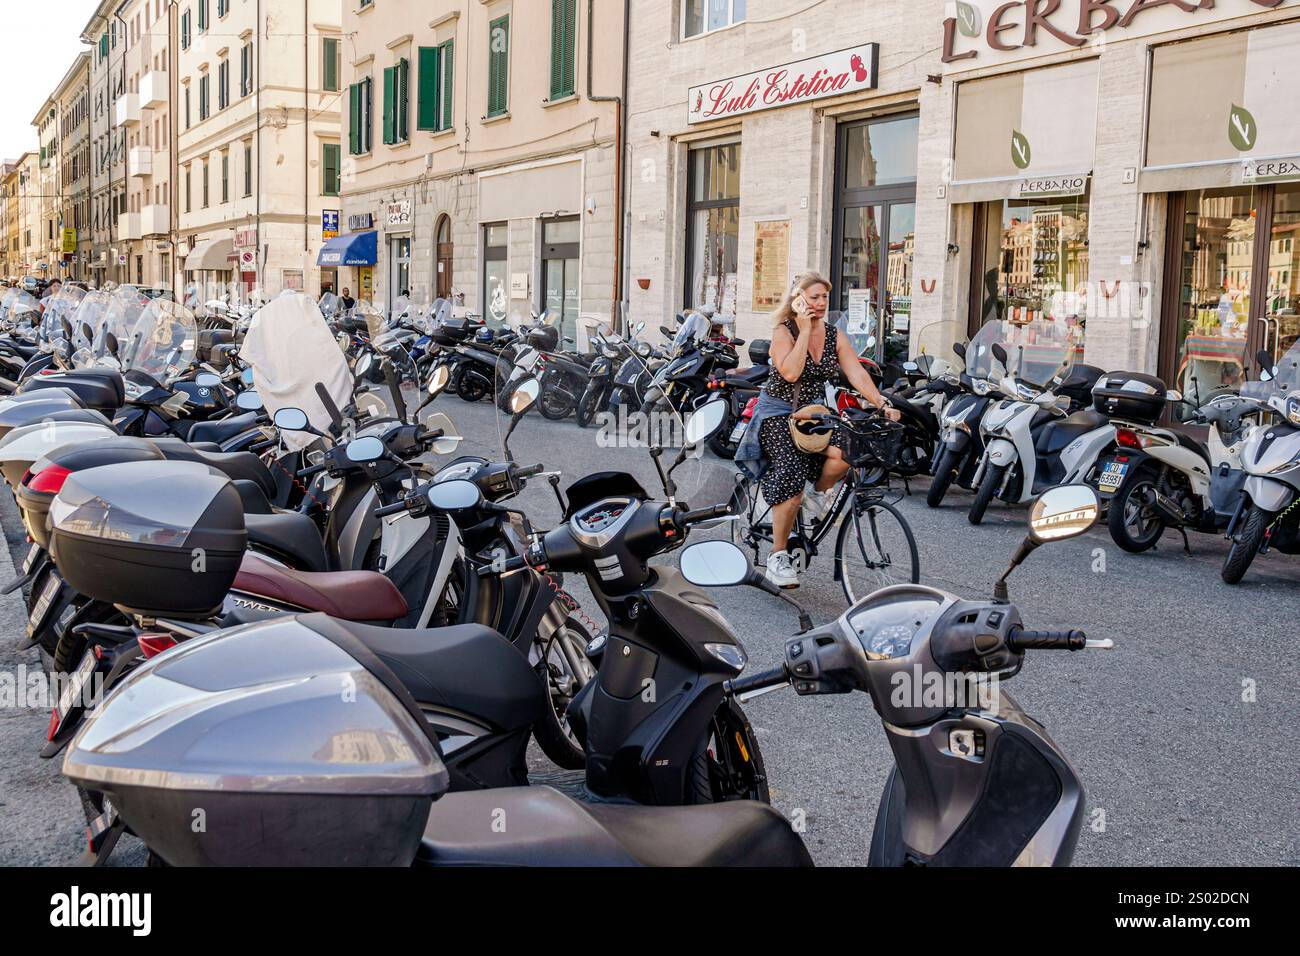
pixel 48 480
pixel 847 401
pixel 151 645
pixel 1127 438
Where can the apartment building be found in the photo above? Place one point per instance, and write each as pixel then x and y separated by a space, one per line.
pixel 100 33
pixel 257 141
pixel 482 155
pixel 9 203
pixel 28 215
pixel 72 99
pixel 48 248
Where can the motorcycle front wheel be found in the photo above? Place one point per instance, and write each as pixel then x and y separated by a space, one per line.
pixel 565 669
pixel 989 485
pixel 727 763
pixel 1246 544
pixel 589 405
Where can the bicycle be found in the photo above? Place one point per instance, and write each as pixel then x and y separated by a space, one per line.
pixel 875 546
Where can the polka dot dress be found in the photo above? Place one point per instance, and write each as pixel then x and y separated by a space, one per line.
pixel 789 469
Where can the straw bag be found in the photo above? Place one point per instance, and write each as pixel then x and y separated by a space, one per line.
pixel 808 442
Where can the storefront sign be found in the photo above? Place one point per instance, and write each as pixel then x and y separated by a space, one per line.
pixel 831 74
pixel 984 32
pixel 1051 187
pixel 771 264
pixel 69 240
pixel 246 238
pixel 329 223
pixel 1271 170
pixel 360 222
pixel 398 213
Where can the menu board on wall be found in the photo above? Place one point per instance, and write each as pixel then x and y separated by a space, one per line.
pixel 771 263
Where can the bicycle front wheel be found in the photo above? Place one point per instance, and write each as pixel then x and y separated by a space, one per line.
pixel 875 548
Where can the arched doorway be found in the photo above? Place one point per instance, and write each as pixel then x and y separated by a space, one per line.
pixel 442 258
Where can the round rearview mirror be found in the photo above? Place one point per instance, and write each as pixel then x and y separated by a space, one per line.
pixel 454 495
pixel 370 405
pixel 438 380
pixel 715 564
pixel 365 449
pixel 291 420
pixel 911 367
pixel 248 401
pixel 207 380
pixel 640 326
pixel 959 348
pixel 525 394
pixel 363 364
pixel 707 420
pixel 999 353
pixel 1064 512
pixel 246 376
pixel 1173 395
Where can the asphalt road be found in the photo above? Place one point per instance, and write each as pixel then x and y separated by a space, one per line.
pixel 1181 734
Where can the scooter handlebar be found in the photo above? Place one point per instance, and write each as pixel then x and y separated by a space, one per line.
pixel 1073 640
pixel 759 681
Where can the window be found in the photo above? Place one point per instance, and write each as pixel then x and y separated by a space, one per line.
pixel 433 106
pixel 203 15
pixel 225 176
pixel 396 112
pixel 203 97
pixel 246 69
pixel 361 103
pixel 189 189
pixel 223 7
pixel 248 169
pixel 223 84
pixel 701 16
pixel 564 31
pixel 203 171
pixel 713 227
pixel 187 107
pixel 185 30
pixel 496 269
pixel 499 66
pixel 330 64
pixel 329 169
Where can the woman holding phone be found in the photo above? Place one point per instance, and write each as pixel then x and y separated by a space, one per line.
pixel 806 352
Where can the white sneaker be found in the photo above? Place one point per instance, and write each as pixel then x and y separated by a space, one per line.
pixel 781 571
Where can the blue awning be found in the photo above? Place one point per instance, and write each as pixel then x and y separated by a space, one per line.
pixel 357 249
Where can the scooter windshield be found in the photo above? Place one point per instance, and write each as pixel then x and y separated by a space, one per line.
pixel 694 329
pixel 59 307
pixel 933 348
pixel 162 341
pixel 1283 378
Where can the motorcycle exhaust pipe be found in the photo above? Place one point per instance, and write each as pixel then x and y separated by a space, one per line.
pixel 1165 507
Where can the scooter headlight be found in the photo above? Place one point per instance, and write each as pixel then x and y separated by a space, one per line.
pixel 733 655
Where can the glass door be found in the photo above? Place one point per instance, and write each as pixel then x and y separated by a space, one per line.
pixel 1281 317
pixel 560 250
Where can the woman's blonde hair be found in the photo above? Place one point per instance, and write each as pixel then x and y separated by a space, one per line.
pixel 806 280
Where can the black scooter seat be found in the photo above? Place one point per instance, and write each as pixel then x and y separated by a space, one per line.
pixel 546 828
pixel 235 465
pixel 1056 435
pixel 291 535
pixel 222 429
pixel 468 668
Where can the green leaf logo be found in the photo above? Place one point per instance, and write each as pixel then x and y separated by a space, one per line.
pixel 1020 153
pixel 1242 129
pixel 968 19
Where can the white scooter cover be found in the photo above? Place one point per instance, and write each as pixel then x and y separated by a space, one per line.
pixel 291 349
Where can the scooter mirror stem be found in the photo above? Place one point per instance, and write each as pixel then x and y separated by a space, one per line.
pixel 1027 547
pixel 759 580
pixel 505 441
pixel 670 489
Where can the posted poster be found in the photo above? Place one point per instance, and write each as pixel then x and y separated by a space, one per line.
pixel 771 263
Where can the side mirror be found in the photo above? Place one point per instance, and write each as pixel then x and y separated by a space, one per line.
pixel 450 439
pixel 524 396
pixel 1000 353
pixel 640 327
pixel 1173 395
pixel 248 401
pixel 110 343
pixel 1066 511
pixel 438 380
pixel 363 365
pixel 207 380
pixel 960 349
pixel 455 495
pixel 365 449
pixel 706 420
pixel 291 420
pixel 715 564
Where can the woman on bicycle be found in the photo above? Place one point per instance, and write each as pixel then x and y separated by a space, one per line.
pixel 806 352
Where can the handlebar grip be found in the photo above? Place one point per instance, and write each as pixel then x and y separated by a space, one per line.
pixel 529 471
pixel 511 564
pixel 743 685
pixel 429 434
pixel 264 445
pixel 1073 640
pixel 705 514
pixel 312 470
pixel 393 509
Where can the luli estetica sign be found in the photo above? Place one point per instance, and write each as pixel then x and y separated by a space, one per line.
pixel 829 74
pixel 981 32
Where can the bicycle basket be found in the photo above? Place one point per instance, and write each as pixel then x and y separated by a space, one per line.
pixel 873 442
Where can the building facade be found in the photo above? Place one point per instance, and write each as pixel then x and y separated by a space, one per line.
pixel 48 253
pixel 72 100
pixel 481 159
pixel 101 33
pixel 1125 170
pixel 257 135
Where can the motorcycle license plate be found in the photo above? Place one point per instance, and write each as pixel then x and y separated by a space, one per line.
pixel 72 692
pixel 42 605
pixel 30 560
pixel 738 431
pixel 1112 475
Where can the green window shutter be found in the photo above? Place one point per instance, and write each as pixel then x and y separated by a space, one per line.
pixel 402 127
pixel 426 91
pixel 499 66
pixel 330 165
pixel 354 111
pixel 445 115
pixel 103 47
pixel 564 22
pixel 330 68
pixel 368 111
pixel 390 103
pixel 203 15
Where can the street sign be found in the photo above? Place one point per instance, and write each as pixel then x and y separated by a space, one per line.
pixel 329 223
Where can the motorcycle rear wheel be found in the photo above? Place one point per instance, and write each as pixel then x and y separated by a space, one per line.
pixel 467 386
pixel 554 404
pixel 1133 526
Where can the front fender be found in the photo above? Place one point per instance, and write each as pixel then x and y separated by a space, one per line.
pixel 1000 452
pixel 1267 494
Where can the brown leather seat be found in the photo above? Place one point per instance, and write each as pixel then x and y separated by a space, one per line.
pixel 349 595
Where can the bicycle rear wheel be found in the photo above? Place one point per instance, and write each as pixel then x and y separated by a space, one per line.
pixel 875 548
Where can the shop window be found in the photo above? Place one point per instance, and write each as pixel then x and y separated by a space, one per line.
pixel 560 255
pixel 703 16
pixel 1031 264
pixel 713 228
pixel 442 284
pixel 496 277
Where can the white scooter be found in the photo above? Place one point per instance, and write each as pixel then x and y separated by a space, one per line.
pixel 1031 441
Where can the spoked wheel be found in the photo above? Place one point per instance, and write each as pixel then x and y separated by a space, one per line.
pixel 1134 525
pixel 874 549
pixel 566 669
pixel 727 763
pixel 753 516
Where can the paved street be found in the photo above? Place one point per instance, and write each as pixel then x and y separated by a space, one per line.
pixel 1184 770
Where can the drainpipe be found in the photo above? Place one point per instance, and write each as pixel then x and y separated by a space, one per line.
pixel 260 261
pixel 620 136
pixel 121 60
pixel 173 148
pixel 306 152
